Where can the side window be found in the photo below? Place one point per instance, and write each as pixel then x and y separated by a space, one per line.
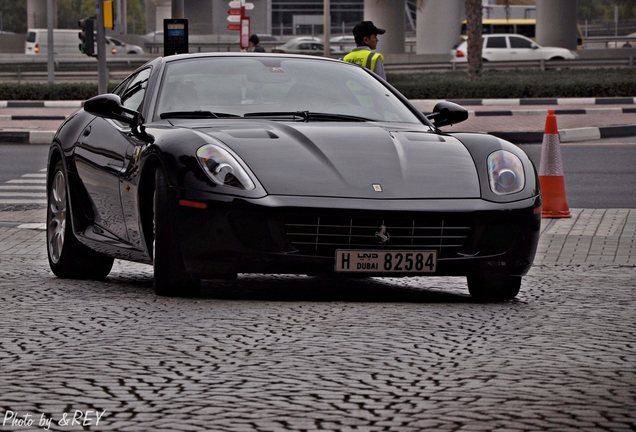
pixel 496 42
pixel 304 46
pixel 517 42
pixel 133 95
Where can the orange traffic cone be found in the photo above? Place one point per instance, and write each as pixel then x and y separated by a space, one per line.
pixel 551 172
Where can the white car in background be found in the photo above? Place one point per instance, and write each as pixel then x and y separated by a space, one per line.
pixel 512 47
pixel 123 47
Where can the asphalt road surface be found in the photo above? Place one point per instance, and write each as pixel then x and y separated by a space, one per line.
pixel 597 174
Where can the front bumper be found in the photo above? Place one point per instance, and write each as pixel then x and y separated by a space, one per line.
pixel 290 235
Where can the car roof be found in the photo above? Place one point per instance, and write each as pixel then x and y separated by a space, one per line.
pixel 505 34
pixel 179 57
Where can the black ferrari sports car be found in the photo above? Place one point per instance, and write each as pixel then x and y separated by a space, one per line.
pixel 211 165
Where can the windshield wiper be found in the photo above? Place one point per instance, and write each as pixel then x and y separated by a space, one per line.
pixel 305 116
pixel 331 116
pixel 295 115
pixel 195 114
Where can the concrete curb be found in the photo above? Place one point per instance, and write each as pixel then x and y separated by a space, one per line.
pixel 565 135
pixel 529 102
pixel 530 137
pixel 26 137
pixel 42 104
pixel 543 112
pixel 569 135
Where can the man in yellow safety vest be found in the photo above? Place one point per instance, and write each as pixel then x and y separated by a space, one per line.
pixel 366 36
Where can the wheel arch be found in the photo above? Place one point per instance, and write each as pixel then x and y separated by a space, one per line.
pixel 145 197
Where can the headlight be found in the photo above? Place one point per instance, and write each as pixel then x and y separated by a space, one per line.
pixel 505 173
pixel 222 168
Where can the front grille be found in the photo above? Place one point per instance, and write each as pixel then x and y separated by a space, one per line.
pixel 321 235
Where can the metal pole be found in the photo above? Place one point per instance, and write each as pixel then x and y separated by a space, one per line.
pixel 327 28
pixel 124 16
pixel 177 9
pixel 615 20
pixel 102 70
pixel 50 19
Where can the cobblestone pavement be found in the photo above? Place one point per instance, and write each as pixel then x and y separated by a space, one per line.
pixel 290 353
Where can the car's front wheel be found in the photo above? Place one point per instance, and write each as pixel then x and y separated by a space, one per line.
pixel 170 275
pixel 494 288
pixel 68 258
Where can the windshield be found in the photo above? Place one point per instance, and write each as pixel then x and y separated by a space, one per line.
pixel 240 86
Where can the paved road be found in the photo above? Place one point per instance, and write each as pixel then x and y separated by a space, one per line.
pixel 289 353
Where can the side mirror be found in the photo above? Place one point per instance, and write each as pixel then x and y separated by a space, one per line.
pixel 534 46
pixel 109 106
pixel 447 113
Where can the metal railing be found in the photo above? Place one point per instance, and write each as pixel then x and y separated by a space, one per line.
pixel 395 64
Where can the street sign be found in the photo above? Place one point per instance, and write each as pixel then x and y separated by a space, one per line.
pixel 234 18
pixel 245 32
pixel 234 27
pixel 236 4
pixel 234 12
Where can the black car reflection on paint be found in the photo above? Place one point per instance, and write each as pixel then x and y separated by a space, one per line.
pixel 210 165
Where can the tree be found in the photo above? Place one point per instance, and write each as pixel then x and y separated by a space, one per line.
pixel 70 11
pixel 602 11
pixel 14 16
pixel 136 17
pixel 473 31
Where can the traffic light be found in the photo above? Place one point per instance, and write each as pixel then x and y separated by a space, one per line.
pixel 86 37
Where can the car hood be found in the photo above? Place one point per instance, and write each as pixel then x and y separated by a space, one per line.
pixel 360 160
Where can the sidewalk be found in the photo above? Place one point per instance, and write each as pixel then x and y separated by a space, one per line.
pixel 520 121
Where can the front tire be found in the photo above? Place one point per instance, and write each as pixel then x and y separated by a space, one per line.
pixel 170 275
pixel 68 258
pixel 494 288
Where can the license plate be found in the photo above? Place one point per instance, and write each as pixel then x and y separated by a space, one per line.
pixel 386 261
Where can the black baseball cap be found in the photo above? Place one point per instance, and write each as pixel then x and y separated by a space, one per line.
pixel 367 28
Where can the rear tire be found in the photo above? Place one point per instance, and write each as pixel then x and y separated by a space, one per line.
pixel 170 275
pixel 494 288
pixel 68 258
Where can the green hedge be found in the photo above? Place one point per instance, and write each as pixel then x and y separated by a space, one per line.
pixel 36 91
pixel 518 84
pixel 427 85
